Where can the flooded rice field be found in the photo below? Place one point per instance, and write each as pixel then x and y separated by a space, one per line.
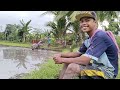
pixel 16 60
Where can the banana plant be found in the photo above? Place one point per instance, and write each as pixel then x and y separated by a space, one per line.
pixel 25 29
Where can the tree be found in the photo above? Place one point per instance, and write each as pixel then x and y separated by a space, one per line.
pixel 72 22
pixel 59 27
pixel 54 29
pixel 25 29
pixel 106 15
pixel 11 31
pixel 114 27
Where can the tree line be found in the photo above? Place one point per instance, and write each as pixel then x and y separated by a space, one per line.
pixel 63 21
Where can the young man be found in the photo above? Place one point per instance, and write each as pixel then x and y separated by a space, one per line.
pixel 97 58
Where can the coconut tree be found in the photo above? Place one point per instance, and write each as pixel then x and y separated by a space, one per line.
pixel 55 29
pixel 50 12
pixel 59 29
pixel 72 21
pixel 114 27
pixel 106 15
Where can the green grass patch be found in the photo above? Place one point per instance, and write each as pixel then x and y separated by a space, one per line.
pixel 48 70
pixel 8 43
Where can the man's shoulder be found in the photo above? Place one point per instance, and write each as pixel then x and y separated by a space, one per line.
pixel 101 34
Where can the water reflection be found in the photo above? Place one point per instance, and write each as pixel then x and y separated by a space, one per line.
pixel 16 60
pixel 19 56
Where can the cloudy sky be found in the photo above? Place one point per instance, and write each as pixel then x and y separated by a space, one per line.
pixel 14 17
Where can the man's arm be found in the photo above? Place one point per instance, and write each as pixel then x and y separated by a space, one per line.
pixel 84 60
pixel 67 55
pixel 71 54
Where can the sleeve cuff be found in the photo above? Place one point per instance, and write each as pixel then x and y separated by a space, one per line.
pixel 90 56
pixel 80 52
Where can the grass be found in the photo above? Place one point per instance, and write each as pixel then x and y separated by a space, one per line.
pixel 48 70
pixel 7 43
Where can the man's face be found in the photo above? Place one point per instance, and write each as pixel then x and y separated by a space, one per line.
pixel 87 24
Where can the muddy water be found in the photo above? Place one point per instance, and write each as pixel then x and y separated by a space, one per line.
pixel 16 60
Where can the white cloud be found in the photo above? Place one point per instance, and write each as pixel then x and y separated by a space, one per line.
pixel 14 17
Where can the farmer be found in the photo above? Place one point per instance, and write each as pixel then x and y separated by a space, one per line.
pixel 97 58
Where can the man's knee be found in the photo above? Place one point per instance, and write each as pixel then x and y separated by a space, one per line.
pixel 73 67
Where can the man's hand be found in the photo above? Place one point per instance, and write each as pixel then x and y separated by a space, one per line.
pixel 57 58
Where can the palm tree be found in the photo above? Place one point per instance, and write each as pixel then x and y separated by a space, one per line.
pixel 114 27
pixel 55 29
pixel 70 14
pixel 106 15
pixel 72 22
pixel 50 12
pixel 59 27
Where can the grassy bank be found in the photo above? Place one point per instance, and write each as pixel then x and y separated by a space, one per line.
pixel 7 43
pixel 48 70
